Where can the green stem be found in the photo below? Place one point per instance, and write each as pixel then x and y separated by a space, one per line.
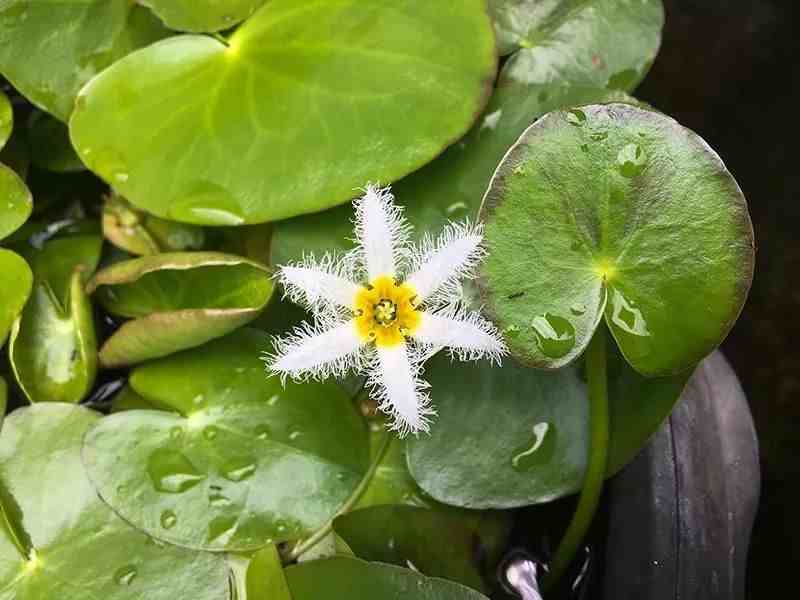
pixel 597 460
pixel 323 531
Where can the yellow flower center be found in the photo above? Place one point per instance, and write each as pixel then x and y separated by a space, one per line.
pixel 385 312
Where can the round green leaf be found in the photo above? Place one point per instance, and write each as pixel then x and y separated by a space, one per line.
pixel 52 349
pixel 352 579
pixel 332 95
pixel 139 233
pixel 177 301
pixel 61 541
pixel 535 446
pixel 241 463
pixel 619 211
pixel 49 143
pixel 202 15
pixel 16 280
pixel 6 119
pixel 574 61
pixel 404 535
pixel 16 202
pixel 48 50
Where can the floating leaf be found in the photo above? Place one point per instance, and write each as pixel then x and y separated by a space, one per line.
pixel 410 536
pixel 16 203
pixel 61 541
pixel 52 348
pixel 619 211
pixel 349 578
pixel 202 15
pixel 143 234
pixel 6 119
pixel 307 101
pixel 177 301
pixel 16 280
pixel 49 143
pixel 50 49
pixel 514 436
pixel 242 463
pixel 260 577
pixel 556 72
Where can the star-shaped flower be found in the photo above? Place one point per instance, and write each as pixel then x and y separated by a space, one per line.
pixel 407 308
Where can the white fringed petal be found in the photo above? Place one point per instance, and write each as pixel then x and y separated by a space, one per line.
pixel 399 390
pixel 312 284
pixel 440 264
pixel 313 353
pixel 466 334
pixel 381 232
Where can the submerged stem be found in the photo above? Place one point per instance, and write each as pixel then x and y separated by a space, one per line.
pixel 306 545
pixel 597 460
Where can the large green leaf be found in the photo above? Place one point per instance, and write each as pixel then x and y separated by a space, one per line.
pixel 16 280
pixel 16 203
pixel 408 535
pixel 177 301
pixel 202 15
pixel 619 211
pixel 61 541
pixel 240 463
pixel 556 72
pixel 353 579
pixel 514 436
pixel 50 48
pixel 308 101
pixel 6 119
pixel 52 349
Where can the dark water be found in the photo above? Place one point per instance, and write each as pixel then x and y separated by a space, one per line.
pixel 729 70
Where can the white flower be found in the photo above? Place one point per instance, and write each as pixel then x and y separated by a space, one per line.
pixel 409 309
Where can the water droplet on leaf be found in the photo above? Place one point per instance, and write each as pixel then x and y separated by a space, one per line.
pixel 626 316
pixel 576 116
pixel 125 575
pixel 631 160
pixel 171 472
pixel 536 452
pixel 240 473
pixel 168 519
pixel 555 335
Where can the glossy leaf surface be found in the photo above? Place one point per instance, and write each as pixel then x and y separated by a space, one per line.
pixel 202 15
pixel 239 462
pixel 332 95
pixel 6 119
pixel 617 211
pixel 16 203
pixel 16 280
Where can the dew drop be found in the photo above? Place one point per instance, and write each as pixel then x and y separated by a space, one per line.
pixel 631 160
pixel 198 400
pixel 555 335
pixel 294 435
pixel 576 116
pixel 262 432
pixel 273 400
pixel 210 433
pixel 176 433
pixel 125 575
pixel 578 309
pixel 598 136
pixel 168 519
pixel 240 473
pixel 456 209
pixel 626 316
pixel 537 451
pixel 218 500
pixel 171 472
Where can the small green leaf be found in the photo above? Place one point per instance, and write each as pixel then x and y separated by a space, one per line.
pixel 617 211
pixel 260 577
pixel 239 462
pixel 514 436
pixel 16 280
pixel 143 234
pixel 49 143
pixel 6 119
pixel 52 349
pixel 61 541
pixel 202 15
pixel 352 579
pixel 408 535
pixel 16 203
pixel 177 301
pixel 332 95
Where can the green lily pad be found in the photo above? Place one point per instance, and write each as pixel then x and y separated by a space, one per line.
pixel 352 579
pixel 6 119
pixel 139 233
pixel 514 436
pixel 260 577
pixel 16 280
pixel 558 71
pixel 16 202
pixel 241 462
pixel 49 143
pixel 202 15
pixel 61 541
pixel 177 301
pixel 408 535
pixel 50 49
pixel 617 211
pixel 52 348
pixel 332 95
